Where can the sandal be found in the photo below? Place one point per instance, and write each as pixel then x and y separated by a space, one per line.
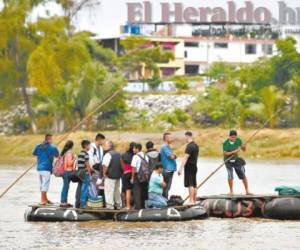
pixel 65 205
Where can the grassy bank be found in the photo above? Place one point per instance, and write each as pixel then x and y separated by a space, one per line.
pixel 268 144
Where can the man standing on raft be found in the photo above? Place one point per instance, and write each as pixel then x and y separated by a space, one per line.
pixel 189 164
pixel 231 147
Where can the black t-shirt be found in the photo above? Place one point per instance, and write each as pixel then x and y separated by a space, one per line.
pixel 192 150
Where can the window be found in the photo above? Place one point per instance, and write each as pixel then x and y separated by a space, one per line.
pixel 191 44
pixel 185 54
pixel 221 45
pixel 250 49
pixel 267 49
pixel 191 69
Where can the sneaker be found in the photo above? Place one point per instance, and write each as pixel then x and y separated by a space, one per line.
pixel 118 207
pixel 110 207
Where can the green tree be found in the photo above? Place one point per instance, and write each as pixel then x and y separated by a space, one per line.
pixel 256 75
pixel 17 41
pixel 272 100
pixel 71 72
pixel 286 63
pixel 138 56
pixel 293 91
pixel 219 105
pixel 222 71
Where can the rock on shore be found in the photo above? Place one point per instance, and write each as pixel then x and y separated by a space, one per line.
pixel 153 104
pixel 7 118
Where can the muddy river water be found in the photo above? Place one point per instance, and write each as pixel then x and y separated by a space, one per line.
pixel 212 233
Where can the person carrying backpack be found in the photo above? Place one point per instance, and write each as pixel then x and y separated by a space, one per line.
pixel 84 169
pixel 140 177
pixel 96 154
pixel 153 155
pixel 68 157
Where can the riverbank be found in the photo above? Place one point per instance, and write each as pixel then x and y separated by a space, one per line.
pixel 268 144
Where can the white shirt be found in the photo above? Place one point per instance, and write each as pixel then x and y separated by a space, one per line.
pixel 106 159
pixel 137 161
pixel 94 156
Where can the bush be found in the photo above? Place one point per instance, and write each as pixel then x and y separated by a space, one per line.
pixel 154 82
pixel 21 125
pixel 172 119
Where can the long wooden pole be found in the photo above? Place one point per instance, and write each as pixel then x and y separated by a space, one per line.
pixel 92 112
pixel 228 159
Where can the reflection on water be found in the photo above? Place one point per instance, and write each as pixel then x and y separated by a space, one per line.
pixel 208 234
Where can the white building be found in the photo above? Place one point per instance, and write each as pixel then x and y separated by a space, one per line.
pixel 199 52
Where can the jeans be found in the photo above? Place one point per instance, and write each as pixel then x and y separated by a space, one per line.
pixel 65 189
pixel 84 190
pixel 157 201
pixel 78 194
pixel 168 177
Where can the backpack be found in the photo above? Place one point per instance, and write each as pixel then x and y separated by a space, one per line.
pixel 58 168
pixel 143 174
pixel 153 160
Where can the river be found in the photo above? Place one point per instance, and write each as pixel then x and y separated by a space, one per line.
pixel 212 233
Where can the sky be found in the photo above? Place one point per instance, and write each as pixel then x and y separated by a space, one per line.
pixel 106 16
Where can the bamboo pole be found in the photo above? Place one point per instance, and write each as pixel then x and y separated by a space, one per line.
pixel 92 112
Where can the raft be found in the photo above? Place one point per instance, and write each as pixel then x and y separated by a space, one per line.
pixel 221 206
pixel 44 213
pixel 51 214
pixel 249 206
pixel 287 208
pixel 168 214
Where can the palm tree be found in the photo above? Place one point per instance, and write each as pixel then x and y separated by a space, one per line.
pixel 271 99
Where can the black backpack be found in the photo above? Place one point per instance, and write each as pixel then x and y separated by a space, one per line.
pixel 153 161
pixel 143 174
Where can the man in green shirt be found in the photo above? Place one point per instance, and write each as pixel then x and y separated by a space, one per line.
pixel 231 147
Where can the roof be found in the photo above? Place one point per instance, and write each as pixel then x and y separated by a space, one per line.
pixel 227 39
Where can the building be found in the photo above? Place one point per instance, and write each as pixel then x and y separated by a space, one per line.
pixel 174 45
pixel 193 53
pixel 200 52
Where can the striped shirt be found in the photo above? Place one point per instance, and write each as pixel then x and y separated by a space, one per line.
pixel 82 159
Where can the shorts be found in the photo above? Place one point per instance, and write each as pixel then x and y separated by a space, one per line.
pixel 190 177
pixel 239 170
pixel 126 182
pixel 44 177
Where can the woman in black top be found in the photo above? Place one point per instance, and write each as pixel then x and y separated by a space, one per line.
pixel 127 174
